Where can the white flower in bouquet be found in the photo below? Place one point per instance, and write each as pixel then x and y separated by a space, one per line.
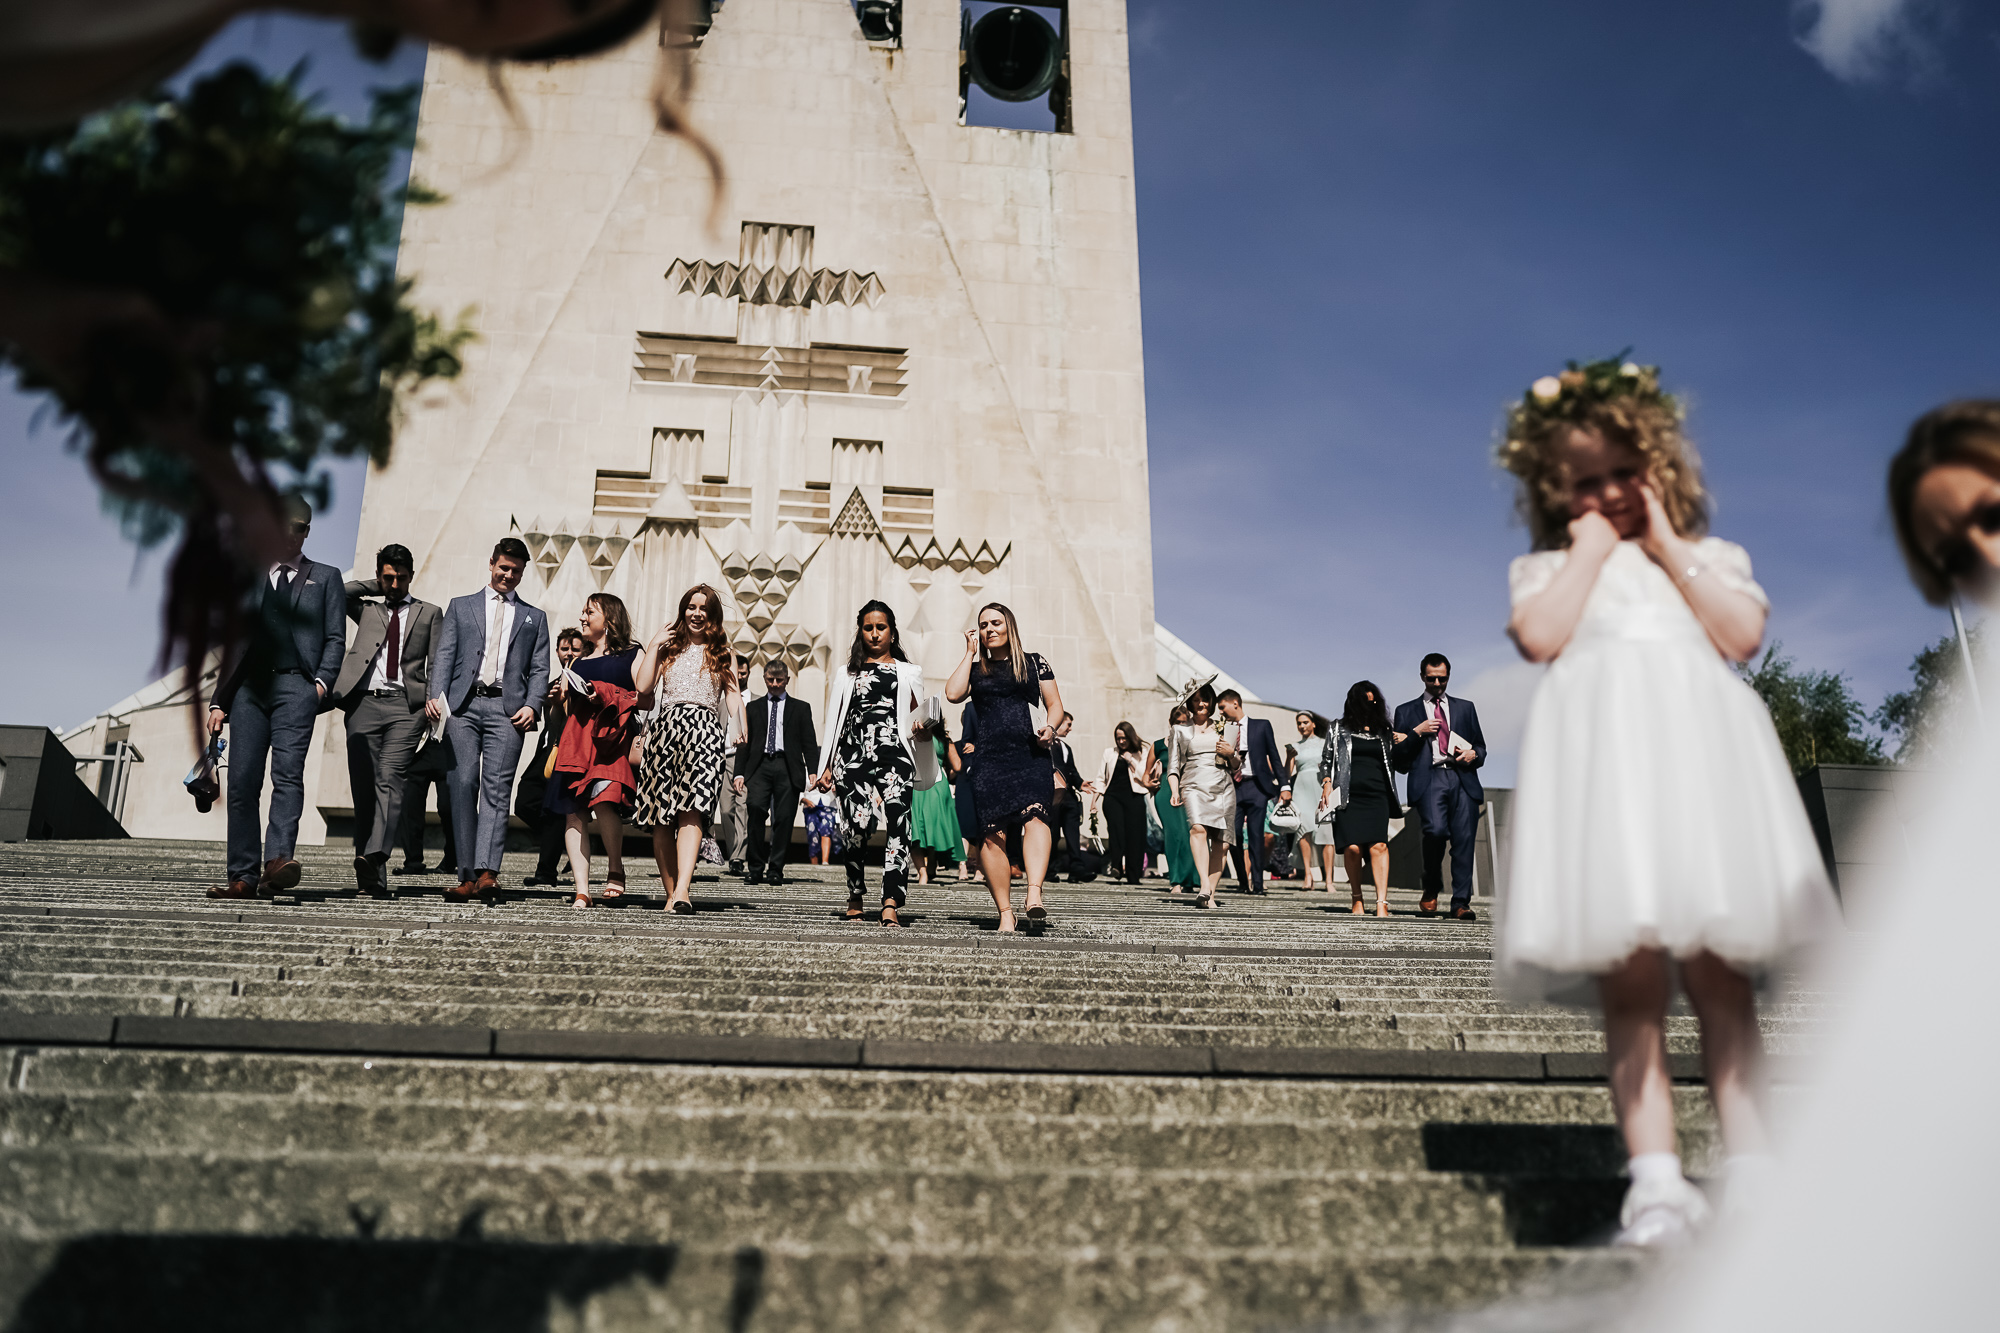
pixel 1546 389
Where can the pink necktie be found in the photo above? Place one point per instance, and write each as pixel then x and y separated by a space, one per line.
pixel 1444 728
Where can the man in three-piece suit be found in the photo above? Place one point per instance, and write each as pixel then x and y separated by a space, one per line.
pixel 492 676
pixel 279 681
pixel 778 750
pixel 1259 776
pixel 383 686
pixel 1442 750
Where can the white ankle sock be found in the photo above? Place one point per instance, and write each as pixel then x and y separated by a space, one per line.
pixel 1651 1166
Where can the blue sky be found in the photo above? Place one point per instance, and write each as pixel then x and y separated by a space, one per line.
pixel 1365 227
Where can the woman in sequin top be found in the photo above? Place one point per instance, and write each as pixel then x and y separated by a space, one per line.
pixel 688 668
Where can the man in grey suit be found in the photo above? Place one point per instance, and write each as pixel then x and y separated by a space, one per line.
pixel 275 683
pixel 383 687
pixel 492 674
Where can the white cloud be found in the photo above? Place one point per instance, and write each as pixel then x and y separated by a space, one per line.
pixel 1860 40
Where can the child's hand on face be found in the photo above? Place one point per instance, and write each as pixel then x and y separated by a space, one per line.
pixel 1592 536
pixel 1659 528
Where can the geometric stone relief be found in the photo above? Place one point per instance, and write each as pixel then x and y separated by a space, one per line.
pixel 872 372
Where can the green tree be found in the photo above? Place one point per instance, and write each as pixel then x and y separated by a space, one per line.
pixel 1923 715
pixel 1818 718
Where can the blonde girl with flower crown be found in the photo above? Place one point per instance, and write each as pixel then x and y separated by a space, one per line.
pixel 1658 836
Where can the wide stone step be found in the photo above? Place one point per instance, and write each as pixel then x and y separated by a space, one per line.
pixel 861 1020
pixel 79 1190
pixel 479 1082
pixel 89 1002
pixel 699 1285
pixel 117 983
pixel 766 1137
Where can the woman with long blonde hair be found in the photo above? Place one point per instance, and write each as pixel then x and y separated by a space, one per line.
pixel 1014 775
pixel 687 666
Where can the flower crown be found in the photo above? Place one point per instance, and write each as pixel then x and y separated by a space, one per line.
pixel 1583 385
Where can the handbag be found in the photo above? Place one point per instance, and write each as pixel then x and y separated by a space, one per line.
pixel 1284 817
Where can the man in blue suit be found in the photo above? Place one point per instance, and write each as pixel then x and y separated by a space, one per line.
pixel 1442 750
pixel 280 680
pixel 492 674
pixel 1260 774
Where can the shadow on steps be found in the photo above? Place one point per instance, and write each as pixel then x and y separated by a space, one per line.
pixel 219 1284
pixel 1560 1184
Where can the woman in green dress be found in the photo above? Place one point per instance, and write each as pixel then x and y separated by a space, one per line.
pixel 1181 872
pixel 934 814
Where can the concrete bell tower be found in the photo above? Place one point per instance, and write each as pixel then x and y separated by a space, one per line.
pixel 905 363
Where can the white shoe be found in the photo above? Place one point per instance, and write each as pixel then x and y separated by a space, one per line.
pixel 1661 1214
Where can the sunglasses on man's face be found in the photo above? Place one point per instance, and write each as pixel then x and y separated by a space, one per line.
pixel 1958 559
pixel 300 529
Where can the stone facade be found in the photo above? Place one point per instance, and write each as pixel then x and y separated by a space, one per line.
pixel 897 357
pixel 901 360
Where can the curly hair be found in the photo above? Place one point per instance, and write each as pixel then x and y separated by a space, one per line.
pixel 1967 431
pixel 1364 709
pixel 1622 402
pixel 714 642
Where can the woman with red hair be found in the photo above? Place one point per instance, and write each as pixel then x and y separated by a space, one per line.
pixel 688 669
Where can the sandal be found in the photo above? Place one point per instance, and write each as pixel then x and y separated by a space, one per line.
pixel 582 900
pixel 1359 909
pixel 614 884
pixel 856 905
pixel 889 917
pixel 1006 921
pixel 681 906
pixel 1037 914
pixel 1382 910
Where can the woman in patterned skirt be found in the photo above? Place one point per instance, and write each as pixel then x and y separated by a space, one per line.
pixel 871 762
pixel 687 668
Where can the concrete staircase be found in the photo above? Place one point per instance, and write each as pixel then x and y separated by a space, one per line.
pixel 330 1114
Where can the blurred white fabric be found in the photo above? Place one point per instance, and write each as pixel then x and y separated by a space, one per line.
pixel 1884 1212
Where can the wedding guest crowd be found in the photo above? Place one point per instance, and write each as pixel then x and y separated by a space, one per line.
pixel 658 738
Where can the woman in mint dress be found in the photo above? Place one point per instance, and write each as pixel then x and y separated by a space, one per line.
pixel 934 815
pixel 1181 872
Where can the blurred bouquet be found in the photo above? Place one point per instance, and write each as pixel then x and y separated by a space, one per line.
pixel 247 242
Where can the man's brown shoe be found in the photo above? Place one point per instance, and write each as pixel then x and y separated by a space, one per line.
pixel 485 886
pixel 1427 907
pixel 281 873
pixel 238 888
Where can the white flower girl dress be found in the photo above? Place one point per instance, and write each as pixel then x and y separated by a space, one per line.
pixel 1653 806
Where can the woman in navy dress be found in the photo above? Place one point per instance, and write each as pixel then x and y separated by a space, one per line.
pixel 1013 776
pixel 607 628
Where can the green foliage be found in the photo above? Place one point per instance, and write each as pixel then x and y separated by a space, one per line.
pixel 266 230
pixel 1819 721
pixel 1922 716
